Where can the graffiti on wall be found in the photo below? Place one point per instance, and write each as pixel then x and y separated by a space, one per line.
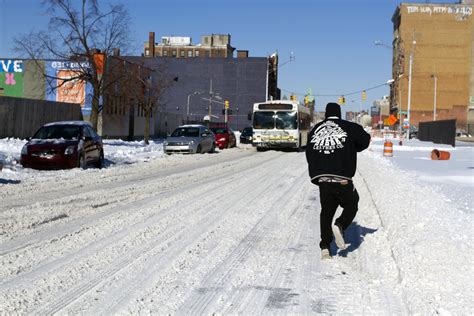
pixel 459 10
pixel 11 77
pixel 62 87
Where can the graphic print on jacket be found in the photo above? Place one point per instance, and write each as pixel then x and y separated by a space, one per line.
pixel 328 137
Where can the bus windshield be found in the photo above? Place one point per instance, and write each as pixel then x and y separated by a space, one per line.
pixel 263 120
pixel 278 120
pixel 286 120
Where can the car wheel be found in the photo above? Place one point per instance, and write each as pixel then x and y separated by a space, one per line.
pixel 100 163
pixel 81 161
pixel 227 146
pixel 213 148
pixel 198 149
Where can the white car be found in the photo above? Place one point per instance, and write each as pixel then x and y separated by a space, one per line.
pixel 462 133
pixel 190 139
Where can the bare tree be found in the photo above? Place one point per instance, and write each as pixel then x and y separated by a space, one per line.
pixel 79 30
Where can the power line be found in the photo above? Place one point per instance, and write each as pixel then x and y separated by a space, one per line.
pixel 337 95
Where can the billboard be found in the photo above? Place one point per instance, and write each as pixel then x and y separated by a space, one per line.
pixel 62 87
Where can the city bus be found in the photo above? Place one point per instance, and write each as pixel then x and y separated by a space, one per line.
pixel 280 124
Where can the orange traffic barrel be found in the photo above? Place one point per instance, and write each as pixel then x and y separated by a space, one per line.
pixel 388 149
pixel 440 155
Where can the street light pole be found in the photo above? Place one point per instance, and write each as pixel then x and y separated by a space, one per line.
pixel 187 107
pixel 409 84
pixel 435 88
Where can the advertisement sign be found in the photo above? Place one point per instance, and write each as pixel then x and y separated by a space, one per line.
pixel 61 88
pixel 70 90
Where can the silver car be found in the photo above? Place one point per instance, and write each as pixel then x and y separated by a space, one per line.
pixel 190 139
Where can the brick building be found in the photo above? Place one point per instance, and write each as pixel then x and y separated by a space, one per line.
pixel 211 46
pixel 440 37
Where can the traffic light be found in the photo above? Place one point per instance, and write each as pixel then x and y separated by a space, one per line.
pixel 364 95
pixel 226 104
pixel 341 100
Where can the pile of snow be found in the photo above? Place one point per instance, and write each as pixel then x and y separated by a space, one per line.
pixel 117 153
pixel 425 210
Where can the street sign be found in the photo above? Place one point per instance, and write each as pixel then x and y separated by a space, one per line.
pixel 392 120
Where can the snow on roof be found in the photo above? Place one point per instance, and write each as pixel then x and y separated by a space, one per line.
pixel 81 123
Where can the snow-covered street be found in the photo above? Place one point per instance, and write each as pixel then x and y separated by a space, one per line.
pixel 235 232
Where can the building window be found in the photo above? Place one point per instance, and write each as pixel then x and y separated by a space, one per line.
pixel 173 53
pixel 165 53
pixel 190 53
pixel 147 52
pixel 181 53
pixel 158 54
pixel 197 53
pixel 206 53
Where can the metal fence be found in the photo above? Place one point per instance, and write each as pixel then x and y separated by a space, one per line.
pixel 439 132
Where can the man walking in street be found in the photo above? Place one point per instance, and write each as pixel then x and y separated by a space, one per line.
pixel 332 158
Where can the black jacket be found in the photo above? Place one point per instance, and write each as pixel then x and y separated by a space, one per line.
pixel 333 146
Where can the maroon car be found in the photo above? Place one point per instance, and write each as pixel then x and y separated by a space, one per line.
pixel 225 137
pixel 62 145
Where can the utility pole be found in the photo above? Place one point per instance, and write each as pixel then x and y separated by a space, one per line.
pixel 210 101
pixel 435 88
pixel 412 52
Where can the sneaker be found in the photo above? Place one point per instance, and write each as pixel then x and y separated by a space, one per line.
pixel 325 254
pixel 339 236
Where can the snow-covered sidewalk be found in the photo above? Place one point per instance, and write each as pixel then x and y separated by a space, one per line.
pixel 424 218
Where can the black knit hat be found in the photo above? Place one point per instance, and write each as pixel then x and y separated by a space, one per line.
pixel 333 109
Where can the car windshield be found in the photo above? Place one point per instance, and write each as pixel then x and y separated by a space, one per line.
pixel 247 131
pixel 219 130
pixel 69 132
pixel 186 132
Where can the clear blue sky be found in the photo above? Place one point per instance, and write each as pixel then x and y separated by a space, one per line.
pixel 332 40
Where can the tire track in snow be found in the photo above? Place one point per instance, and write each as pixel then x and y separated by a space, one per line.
pixel 109 273
pixel 276 294
pixel 109 209
pixel 15 198
pixel 215 281
pixel 117 299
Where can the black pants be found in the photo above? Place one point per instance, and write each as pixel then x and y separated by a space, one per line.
pixel 333 195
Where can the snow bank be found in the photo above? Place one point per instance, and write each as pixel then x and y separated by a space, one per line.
pixel 424 211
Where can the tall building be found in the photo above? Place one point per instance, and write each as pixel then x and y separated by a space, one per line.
pixel 438 38
pixel 211 46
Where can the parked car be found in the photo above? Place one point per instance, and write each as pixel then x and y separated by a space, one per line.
pixel 61 145
pixel 190 139
pixel 413 132
pixel 225 137
pixel 247 135
pixel 462 133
